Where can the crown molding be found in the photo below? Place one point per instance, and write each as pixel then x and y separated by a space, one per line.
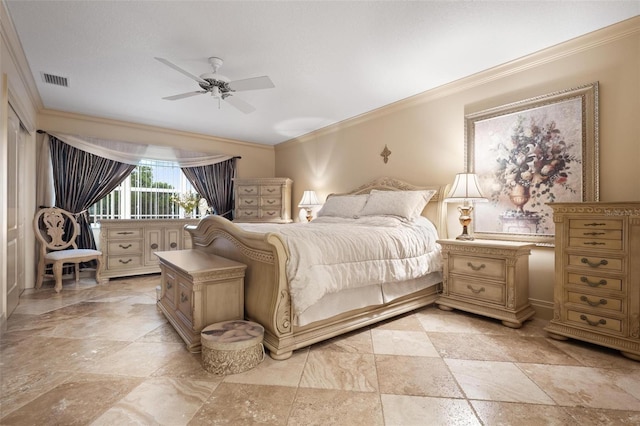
pixel 143 127
pixel 592 40
pixel 18 58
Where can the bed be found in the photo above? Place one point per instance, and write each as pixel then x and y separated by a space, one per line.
pixel 292 311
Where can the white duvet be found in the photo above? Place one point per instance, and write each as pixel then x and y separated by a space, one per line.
pixel 331 254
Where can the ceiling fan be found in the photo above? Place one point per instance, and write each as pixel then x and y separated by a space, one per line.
pixel 220 86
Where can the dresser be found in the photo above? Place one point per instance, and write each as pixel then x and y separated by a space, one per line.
pixel 198 289
pixel 128 245
pixel 597 275
pixel 263 200
pixel 489 278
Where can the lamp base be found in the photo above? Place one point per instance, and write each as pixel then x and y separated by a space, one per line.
pixel 465 221
pixel 465 235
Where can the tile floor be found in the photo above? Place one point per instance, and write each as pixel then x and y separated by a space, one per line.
pixel 104 355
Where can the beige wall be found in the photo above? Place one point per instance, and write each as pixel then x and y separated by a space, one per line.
pixel 426 133
pixel 257 160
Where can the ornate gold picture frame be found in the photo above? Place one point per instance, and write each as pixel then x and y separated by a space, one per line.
pixel 529 153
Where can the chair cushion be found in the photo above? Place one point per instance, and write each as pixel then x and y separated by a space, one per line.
pixel 70 254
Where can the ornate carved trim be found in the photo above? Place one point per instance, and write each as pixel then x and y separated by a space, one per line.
pixel 204 240
pixel 509 254
pixel 283 312
pixel 217 276
pixel 589 336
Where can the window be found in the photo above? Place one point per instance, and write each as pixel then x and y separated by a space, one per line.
pixel 145 194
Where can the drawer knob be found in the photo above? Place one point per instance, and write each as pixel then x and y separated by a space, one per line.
pixel 601 321
pixel 271 190
pixel 183 298
pixel 592 303
pixel 475 291
pixel 124 233
pixel 594 243
pixel 602 262
pixel 248 201
pixel 476 268
pixel 124 247
pixel 154 246
pixel 595 224
pixel 248 191
pixel 169 286
pixel 271 213
pixel 593 283
pixel 271 201
pixel 594 233
pixel 124 261
pixel 173 245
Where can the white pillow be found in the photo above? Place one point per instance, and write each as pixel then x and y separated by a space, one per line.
pixel 343 206
pixel 405 204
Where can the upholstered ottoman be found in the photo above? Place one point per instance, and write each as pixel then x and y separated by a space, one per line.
pixel 232 347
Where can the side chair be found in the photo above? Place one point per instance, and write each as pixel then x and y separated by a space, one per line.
pixel 56 230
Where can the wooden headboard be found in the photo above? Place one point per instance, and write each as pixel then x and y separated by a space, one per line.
pixel 436 210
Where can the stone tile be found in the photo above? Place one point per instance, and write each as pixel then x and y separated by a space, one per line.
pixel 234 403
pixel 581 386
pixel 402 342
pixel 467 346
pixel 287 372
pixel 78 401
pixel 185 365
pixel 18 389
pixel 146 357
pixel 408 410
pixel 159 401
pixel 511 413
pixel 323 407
pixel 592 355
pixel 496 381
pixel 106 327
pixel 407 322
pixel 336 370
pixel 358 341
pixel 599 417
pixel 164 333
pixel 420 376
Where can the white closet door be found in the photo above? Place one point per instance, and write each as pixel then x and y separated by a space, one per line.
pixel 15 212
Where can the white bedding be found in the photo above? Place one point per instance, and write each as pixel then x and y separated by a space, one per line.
pixel 333 254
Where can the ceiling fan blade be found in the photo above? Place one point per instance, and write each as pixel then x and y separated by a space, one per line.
pixel 240 104
pixel 254 83
pixel 184 95
pixel 180 70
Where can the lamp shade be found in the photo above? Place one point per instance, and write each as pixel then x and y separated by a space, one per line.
pixel 465 188
pixel 309 199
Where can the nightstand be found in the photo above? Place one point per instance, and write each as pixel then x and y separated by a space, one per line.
pixel 488 278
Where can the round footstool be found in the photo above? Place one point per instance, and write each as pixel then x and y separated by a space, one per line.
pixel 232 347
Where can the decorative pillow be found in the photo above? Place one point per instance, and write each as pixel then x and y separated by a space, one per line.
pixel 343 206
pixel 405 204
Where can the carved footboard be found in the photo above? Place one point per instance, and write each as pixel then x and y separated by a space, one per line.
pixel 266 296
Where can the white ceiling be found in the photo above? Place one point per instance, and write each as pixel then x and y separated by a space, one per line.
pixel 328 60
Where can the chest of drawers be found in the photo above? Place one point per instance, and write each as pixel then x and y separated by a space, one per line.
pixel 597 275
pixel 488 278
pixel 129 245
pixel 263 200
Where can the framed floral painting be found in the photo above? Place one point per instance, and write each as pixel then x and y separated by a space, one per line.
pixel 530 153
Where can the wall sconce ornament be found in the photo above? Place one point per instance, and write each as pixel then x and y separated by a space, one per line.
pixel 385 154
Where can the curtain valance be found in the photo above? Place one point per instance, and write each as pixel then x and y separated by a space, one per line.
pixel 132 153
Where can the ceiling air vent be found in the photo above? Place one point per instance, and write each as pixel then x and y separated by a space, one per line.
pixel 55 79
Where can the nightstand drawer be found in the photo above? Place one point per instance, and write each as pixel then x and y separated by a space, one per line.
pixel 601 263
pixel 589 300
pixel 478 290
pixel 184 294
pixel 595 224
pixel 478 266
pixel 595 281
pixel 595 242
pixel 594 321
